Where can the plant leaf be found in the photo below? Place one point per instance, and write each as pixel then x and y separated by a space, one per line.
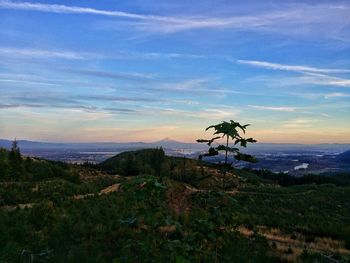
pixel 202 140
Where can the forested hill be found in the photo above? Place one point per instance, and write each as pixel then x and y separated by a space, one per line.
pixel 14 167
pixel 143 206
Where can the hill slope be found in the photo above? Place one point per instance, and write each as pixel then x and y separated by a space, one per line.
pixel 148 218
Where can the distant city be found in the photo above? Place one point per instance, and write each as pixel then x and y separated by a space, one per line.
pixel 295 159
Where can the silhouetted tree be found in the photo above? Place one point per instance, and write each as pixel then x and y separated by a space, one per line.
pixel 15 153
pixel 228 131
pixel 15 160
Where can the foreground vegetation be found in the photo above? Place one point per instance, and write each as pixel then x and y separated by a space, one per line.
pixel 168 209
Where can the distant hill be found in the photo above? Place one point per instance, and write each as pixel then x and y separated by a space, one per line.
pixel 145 161
pixel 344 157
pixel 129 163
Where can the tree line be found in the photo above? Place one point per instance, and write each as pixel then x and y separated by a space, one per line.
pixel 15 167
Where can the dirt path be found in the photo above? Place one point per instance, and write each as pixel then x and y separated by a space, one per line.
pixel 110 189
pixel 14 207
pixel 291 246
pixel 177 200
pixel 233 192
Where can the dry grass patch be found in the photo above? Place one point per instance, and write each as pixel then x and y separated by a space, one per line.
pixel 290 246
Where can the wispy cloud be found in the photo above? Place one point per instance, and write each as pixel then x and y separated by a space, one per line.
pixel 208 114
pixel 218 113
pixel 298 123
pixel 11 105
pixel 336 95
pixel 35 80
pixel 186 85
pixel 205 86
pixel 63 9
pixel 319 95
pixel 88 103
pixel 139 106
pixel 309 75
pixel 322 79
pixel 297 68
pixel 135 76
pixel 176 23
pixel 275 108
pixel 55 106
pixel 294 19
pixel 7 80
pixel 40 53
pixel 118 98
pixel 155 55
pixel 104 111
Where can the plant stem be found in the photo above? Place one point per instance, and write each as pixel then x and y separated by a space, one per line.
pixel 226 149
pixel 223 180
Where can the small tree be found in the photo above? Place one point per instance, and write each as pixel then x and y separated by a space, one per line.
pixel 228 131
pixel 15 160
pixel 15 153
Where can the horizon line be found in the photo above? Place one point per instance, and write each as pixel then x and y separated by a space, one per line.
pixel 150 142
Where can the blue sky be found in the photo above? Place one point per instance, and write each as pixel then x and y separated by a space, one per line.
pixel 145 70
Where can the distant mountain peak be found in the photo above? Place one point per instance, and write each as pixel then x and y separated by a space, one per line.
pixel 167 139
pixel 168 142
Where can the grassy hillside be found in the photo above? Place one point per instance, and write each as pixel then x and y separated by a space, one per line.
pixel 175 210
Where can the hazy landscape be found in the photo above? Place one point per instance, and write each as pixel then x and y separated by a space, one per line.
pixel 174 131
pixel 297 159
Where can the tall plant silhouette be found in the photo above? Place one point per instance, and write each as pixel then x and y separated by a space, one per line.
pixel 230 131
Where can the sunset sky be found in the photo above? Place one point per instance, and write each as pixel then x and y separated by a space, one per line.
pixel 92 71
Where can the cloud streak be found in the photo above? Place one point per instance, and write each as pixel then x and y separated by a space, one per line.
pixel 111 75
pixel 275 108
pixel 63 9
pixel 97 104
pixel 35 53
pixel 209 113
pixel 322 79
pixel 177 23
pixel 293 19
pixel 295 68
pixel 310 75
pixel 298 123
pixel 39 53
pixel 336 95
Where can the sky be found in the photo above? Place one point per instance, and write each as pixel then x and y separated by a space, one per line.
pixel 100 71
